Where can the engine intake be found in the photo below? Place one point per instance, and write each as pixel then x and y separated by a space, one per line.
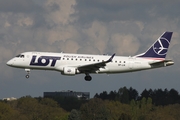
pixel 69 71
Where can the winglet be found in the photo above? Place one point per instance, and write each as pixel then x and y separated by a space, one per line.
pixel 110 59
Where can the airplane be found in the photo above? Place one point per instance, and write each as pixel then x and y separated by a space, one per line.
pixel 72 64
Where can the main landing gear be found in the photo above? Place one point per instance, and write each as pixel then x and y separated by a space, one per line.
pixel 27 71
pixel 88 77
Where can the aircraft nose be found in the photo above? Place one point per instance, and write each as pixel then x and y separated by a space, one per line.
pixel 9 63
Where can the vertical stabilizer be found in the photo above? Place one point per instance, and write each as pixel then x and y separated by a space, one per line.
pixel 159 48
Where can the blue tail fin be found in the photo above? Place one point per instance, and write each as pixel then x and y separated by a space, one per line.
pixel 159 48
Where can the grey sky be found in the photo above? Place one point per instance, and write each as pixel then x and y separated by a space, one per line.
pixel 123 27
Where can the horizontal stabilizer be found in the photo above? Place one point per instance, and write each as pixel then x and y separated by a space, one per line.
pixel 164 62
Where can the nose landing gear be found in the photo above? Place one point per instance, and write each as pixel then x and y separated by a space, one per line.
pixel 27 71
pixel 27 76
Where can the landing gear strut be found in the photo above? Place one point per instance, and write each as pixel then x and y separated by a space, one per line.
pixel 88 77
pixel 27 71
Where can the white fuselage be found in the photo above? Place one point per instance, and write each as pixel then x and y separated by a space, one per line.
pixel 57 61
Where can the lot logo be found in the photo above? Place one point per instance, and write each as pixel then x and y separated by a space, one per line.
pixel 161 46
pixel 44 60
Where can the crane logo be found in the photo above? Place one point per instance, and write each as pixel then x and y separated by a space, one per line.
pixel 161 46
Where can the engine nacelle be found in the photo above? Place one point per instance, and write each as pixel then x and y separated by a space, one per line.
pixel 69 71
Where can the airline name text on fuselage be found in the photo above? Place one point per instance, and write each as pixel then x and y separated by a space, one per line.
pixel 44 60
pixel 73 56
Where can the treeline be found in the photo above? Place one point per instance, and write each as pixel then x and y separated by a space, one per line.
pixel 159 96
pixel 125 104
pixel 28 108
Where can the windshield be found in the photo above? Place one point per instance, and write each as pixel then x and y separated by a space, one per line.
pixel 20 56
pixel 17 55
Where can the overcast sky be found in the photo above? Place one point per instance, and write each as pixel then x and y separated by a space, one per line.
pixel 124 27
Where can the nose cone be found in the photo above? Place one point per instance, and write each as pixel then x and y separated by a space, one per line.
pixel 9 63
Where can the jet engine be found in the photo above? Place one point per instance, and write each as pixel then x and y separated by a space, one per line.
pixel 69 71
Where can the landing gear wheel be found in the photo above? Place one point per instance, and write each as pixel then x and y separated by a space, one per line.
pixel 27 76
pixel 88 78
pixel 27 71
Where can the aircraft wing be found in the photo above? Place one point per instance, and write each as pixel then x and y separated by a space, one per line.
pixel 163 62
pixel 95 66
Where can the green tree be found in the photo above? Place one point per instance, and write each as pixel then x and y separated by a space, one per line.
pixel 124 117
pixel 169 112
pixel 173 97
pixel 134 109
pixel 74 115
pixel 49 102
pixel 117 110
pixel 133 94
pixel 40 109
pixel 123 95
pixel 5 111
pixel 95 109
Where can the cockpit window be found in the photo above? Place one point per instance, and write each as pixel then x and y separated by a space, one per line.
pixel 20 56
